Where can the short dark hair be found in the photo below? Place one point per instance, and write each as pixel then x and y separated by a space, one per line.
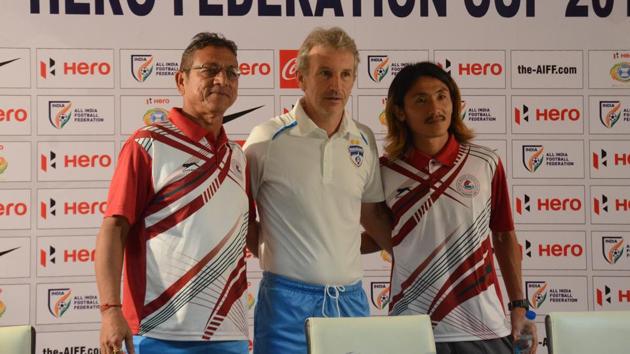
pixel 202 40
pixel 399 139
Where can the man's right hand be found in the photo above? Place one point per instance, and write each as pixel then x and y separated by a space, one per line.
pixel 115 330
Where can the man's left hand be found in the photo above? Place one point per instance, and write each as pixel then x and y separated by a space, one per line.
pixel 519 322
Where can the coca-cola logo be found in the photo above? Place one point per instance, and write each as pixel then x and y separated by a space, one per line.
pixel 288 69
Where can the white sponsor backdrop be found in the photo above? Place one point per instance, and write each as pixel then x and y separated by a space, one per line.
pixel 546 83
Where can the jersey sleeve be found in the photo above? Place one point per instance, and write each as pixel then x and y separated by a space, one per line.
pixel 250 198
pixel 132 186
pixel 373 191
pixel 255 150
pixel 501 210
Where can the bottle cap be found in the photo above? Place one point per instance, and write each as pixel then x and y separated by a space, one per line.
pixel 530 315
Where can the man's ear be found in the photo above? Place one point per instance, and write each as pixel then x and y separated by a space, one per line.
pixel 300 79
pixel 179 81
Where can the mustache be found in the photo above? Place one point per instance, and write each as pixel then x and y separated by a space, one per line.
pixel 436 116
pixel 334 94
pixel 217 90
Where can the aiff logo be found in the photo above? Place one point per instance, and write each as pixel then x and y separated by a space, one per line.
pixel 380 294
pixel 378 66
pixel 612 248
pixel 59 301
pixel 141 66
pixel 536 292
pixel 464 110
pixel 533 157
pixel 59 113
pixel 609 113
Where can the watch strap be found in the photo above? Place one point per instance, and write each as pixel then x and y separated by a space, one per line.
pixel 522 303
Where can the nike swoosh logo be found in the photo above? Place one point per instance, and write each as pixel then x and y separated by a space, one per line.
pixel 231 117
pixel 7 251
pixel 8 61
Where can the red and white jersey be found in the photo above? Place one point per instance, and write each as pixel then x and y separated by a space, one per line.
pixel 185 198
pixel 444 208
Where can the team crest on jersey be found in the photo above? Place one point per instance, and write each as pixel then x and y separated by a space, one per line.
pixel 467 185
pixel 356 154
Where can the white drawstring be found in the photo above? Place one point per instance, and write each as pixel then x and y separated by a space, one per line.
pixel 334 296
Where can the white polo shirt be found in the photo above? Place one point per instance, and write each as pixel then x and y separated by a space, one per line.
pixel 309 188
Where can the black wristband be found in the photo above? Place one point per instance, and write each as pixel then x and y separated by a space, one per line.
pixel 522 303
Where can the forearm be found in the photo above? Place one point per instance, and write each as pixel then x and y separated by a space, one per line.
pixel 509 257
pixel 109 258
pixel 368 245
pixel 377 222
pixel 252 237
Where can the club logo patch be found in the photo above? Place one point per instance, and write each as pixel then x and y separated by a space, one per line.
pixel 467 185
pixel 356 154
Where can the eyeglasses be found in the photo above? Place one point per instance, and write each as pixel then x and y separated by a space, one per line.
pixel 208 71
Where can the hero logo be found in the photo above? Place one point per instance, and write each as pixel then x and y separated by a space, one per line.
pixel 605 296
pixel 75 161
pixel 8 209
pixel 81 255
pixel 474 69
pixel 548 204
pixel 554 250
pixel 71 208
pixel 247 69
pixel 600 205
pixel 74 68
pixel 13 114
pixel 288 68
pixel 547 114
pixel 601 159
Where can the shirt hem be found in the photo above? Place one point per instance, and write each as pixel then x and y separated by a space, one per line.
pixel 196 337
pixel 470 338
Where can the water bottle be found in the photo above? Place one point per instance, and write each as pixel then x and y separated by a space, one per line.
pixel 524 343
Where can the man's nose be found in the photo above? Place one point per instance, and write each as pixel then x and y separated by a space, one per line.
pixel 221 78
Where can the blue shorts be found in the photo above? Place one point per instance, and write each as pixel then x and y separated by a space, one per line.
pixel 284 304
pixel 148 345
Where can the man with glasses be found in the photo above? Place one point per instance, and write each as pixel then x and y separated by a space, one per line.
pixel 315 177
pixel 178 215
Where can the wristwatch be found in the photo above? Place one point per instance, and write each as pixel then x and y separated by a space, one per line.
pixel 523 303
